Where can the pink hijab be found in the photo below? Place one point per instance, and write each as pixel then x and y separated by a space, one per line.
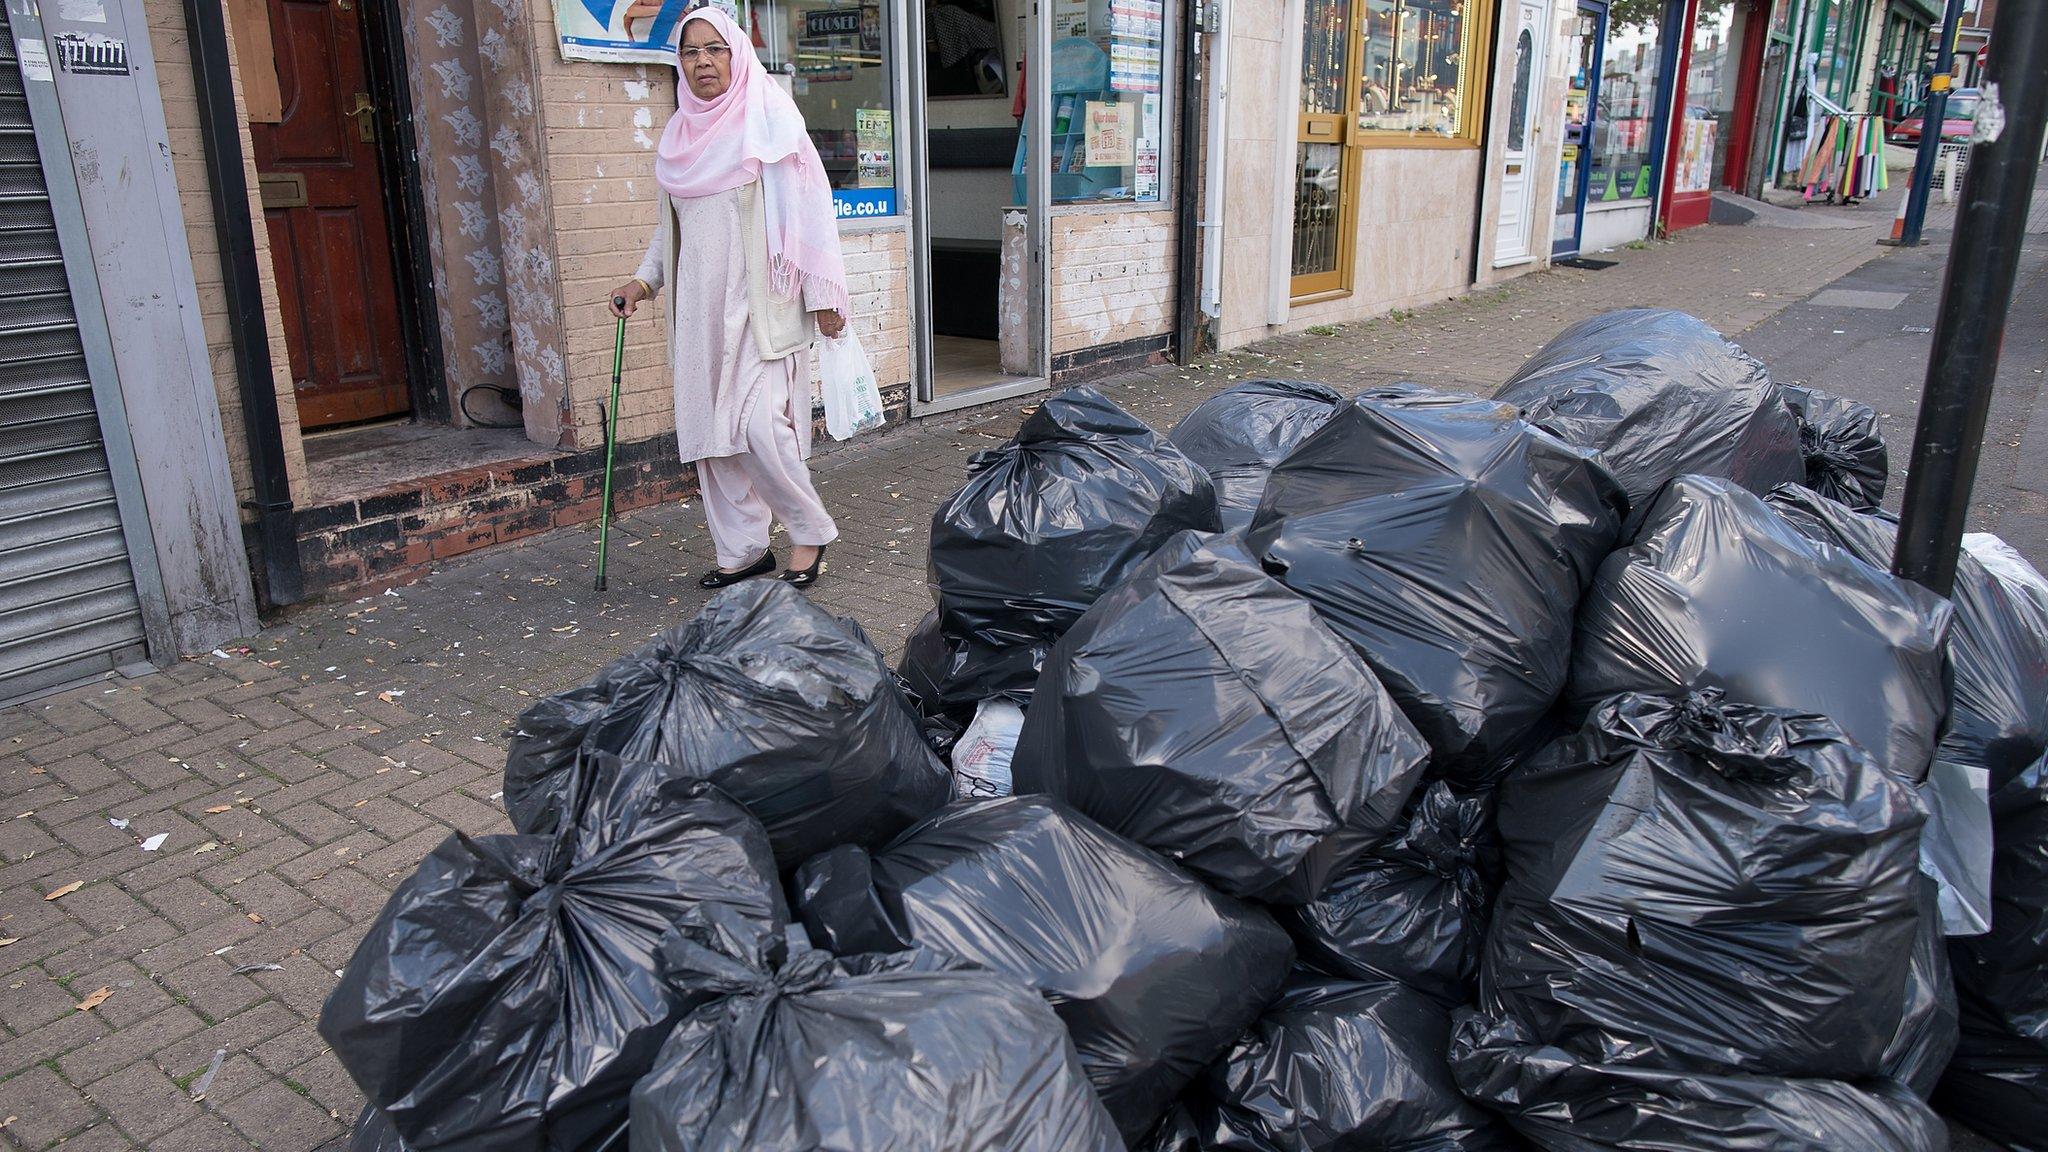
pixel 753 131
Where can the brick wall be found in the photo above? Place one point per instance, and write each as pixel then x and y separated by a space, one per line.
pixel 181 113
pixel 1112 276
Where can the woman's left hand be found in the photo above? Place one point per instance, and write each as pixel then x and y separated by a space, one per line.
pixel 830 323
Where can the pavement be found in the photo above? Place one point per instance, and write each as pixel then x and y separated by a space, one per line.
pixel 296 778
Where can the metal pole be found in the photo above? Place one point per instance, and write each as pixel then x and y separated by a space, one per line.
pixel 611 444
pixel 1933 114
pixel 1975 295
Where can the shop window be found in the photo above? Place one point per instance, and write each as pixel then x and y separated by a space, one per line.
pixel 1710 87
pixel 1624 129
pixel 1375 73
pixel 839 61
pixel 1108 88
pixel 1422 68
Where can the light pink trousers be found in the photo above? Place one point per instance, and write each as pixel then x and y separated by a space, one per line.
pixel 744 495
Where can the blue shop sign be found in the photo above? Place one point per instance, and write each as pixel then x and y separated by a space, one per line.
pixel 856 203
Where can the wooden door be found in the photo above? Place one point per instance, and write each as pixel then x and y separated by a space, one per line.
pixel 329 238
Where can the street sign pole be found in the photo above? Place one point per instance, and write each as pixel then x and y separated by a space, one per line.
pixel 1976 292
pixel 1933 114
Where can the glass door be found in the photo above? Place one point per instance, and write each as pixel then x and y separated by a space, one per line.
pixel 1325 169
pixel 1581 100
pixel 980 234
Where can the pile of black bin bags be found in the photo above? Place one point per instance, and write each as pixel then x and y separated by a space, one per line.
pixel 1558 771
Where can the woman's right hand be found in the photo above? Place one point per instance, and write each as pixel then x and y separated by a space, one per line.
pixel 632 292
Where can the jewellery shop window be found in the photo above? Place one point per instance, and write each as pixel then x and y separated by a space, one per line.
pixel 1108 99
pixel 1422 70
pixel 839 62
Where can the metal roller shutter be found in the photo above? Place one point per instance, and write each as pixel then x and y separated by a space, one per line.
pixel 68 606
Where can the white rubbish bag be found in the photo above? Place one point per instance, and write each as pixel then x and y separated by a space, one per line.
pixel 981 758
pixel 853 402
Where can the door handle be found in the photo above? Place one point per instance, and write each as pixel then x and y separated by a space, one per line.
pixel 363 109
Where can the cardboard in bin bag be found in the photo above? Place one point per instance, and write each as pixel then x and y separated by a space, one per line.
pixel 1240 433
pixel 1201 709
pixel 1046 523
pixel 911 1052
pixel 1448 540
pixel 1997 1082
pixel 1700 885
pixel 1845 454
pixel 762 693
pixel 508 998
pixel 1563 1101
pixel 1340 1064
pixel 1413 909
pixel 1660 394
pixel 1154 974
pixel 1719 591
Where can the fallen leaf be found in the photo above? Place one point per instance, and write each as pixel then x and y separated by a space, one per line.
pixel 256 917
pixel 6 940
pixel 203 849
pixel 66 890
pixel 95 1000
pixel 217 809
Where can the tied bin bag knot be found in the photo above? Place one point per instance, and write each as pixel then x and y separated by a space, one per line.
pixel 908 1052
pixel 789 711
pixel 1045 524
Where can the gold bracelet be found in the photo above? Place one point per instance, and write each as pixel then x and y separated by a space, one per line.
pixel 646 289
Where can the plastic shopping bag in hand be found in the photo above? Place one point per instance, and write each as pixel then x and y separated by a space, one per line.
pixel 853 402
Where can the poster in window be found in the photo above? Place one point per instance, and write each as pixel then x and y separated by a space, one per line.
pixel 1069 18
pixel 1111 135
pixel 963 50
pixel 596 30
pixel 874 136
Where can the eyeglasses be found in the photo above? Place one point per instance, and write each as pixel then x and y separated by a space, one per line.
pixel 716 52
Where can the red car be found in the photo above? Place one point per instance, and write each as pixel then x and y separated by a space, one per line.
pixel 1955 121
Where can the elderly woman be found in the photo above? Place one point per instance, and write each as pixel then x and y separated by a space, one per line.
pixel 749 240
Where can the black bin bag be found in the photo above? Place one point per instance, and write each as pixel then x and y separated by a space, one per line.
pixel 762 693
pixel 1240 433
pixel 1201 709
pixel 1565 1102
pixel 1337 1064
pixel 1660 394
pixel 1154 974
pixel 1844 450
pixel 911 1052
pixel 1719 591
pixel 1998 644
pixel 1412 910
pixel 1928 1027
pixel 1997 1083
pixel 1698 885
pixel 508 996
pixel 1448 540
pixel 1046 523
pixel 374 1133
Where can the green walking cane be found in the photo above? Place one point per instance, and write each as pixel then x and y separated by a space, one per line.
pixel 610 420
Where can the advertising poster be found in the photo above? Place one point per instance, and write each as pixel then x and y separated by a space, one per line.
pixel 1111 136
pixel 1069 18
pixel 874 139
pixel 595 30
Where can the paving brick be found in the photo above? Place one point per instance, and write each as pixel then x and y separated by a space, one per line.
pixel 29 999
pixel 206 1134
pixel 44 1108
pixel 49 1041
pixel 104 1137
pixel 286 1120
pixel 144 1101
pixel 111 1050
pixel 211 986
pixel 135 996
pixel 236 1034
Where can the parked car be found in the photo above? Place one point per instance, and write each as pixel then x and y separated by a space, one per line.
pixel 1955 121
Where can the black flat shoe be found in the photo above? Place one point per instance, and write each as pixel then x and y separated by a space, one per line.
pixel 805 577
pixel 719 577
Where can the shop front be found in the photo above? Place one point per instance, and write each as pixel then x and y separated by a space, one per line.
pixel 1353 178
pixel 438 240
